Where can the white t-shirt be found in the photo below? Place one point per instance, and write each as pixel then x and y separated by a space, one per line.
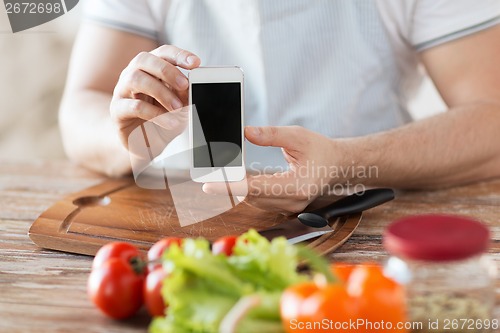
pixel 342 68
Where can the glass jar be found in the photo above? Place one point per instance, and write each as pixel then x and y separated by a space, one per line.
pixel 449 278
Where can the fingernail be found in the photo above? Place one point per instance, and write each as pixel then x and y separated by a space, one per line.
pixel 190 60
pixel 181 81
pixel 253 131
pixel 206 188
pixel 176 104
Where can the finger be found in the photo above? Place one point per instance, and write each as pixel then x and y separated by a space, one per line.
pixel 173 122
pixel 177 56
pixel 269 204
pixel 221 188
pixel 288 137
pixel 160 69
pixel 183 96
pixel 129 108
pixel 137 81
pixel 281 206
pixel 280 193
pixel 277 185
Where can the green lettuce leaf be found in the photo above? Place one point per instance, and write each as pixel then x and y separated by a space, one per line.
pixel 202 288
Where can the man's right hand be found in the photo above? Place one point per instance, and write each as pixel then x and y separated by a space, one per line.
pixel 149 86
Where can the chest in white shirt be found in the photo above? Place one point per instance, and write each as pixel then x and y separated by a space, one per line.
pixel 326 65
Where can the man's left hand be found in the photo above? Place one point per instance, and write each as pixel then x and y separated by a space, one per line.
pixel 310 157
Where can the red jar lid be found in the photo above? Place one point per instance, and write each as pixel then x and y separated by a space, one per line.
pixel 436 238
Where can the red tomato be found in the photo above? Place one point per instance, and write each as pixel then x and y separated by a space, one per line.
pixel 115 288
pixel 380 298
pixel 152 292
pixel 292 299
pixel 342 271
pixel 125 251
pixel 364 293
pixel 304 306
pixel 156 251
pixel 224 245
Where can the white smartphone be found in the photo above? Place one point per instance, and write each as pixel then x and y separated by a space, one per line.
pixel 216 124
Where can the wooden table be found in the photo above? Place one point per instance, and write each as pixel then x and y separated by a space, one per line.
pixel 44 291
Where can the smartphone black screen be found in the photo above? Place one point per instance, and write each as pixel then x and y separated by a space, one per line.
pixel 218 107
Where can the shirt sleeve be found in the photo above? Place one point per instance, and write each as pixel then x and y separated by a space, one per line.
pixel 434 22
pixel 134 16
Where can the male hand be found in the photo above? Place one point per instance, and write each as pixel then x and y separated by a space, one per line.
pixel 150 86
pixel 310 157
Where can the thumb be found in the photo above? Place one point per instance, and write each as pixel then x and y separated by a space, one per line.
pixel 288 137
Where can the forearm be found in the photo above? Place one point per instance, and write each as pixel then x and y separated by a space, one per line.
pixel 88 134
pixel 454 148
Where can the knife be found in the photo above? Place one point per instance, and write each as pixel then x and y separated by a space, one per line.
pixel 309 225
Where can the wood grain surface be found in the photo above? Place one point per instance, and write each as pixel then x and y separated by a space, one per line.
pixel 44 291
pixel 119 210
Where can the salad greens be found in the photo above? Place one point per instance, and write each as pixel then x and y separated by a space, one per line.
pixel 202 288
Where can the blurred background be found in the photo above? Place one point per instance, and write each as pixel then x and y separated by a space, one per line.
pixel 32 74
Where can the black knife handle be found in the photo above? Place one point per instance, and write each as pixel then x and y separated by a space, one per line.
pixel 352 204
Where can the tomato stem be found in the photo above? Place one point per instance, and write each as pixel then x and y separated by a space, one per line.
pixel 139 265
pixel 317 263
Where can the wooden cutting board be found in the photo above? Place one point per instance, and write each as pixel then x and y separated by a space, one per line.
pixel 119 210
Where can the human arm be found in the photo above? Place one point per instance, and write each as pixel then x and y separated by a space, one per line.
pixel 94 130
pixel 88 134
pixel 457 147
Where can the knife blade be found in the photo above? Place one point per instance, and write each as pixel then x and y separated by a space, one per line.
pixel 319 222
pixel 294 231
